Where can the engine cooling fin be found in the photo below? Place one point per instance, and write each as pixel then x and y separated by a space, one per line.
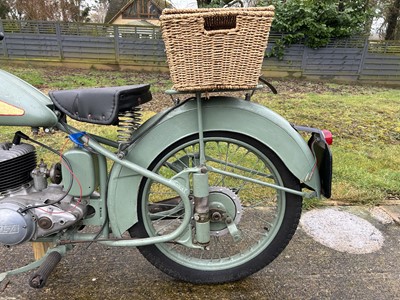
pixel 16 164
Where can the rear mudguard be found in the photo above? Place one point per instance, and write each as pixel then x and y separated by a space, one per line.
pixel 219 113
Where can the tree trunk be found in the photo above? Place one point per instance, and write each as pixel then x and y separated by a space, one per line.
pixel 392 20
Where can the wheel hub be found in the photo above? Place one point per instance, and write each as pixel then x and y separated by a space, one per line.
pixel 223 203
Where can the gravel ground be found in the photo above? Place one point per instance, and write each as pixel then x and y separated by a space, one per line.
pixel 342 231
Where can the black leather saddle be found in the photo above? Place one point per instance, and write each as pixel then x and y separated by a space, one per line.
pixel 100 105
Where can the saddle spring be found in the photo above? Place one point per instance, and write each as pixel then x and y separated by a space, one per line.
pixel 129 121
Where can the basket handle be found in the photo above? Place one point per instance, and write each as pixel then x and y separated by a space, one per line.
pixel 218 23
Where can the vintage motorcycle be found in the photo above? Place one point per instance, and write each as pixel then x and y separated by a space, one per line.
pixel 209 190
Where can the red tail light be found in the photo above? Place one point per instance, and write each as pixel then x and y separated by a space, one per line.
pixel 328 136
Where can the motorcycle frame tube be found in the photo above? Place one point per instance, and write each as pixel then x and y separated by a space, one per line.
pixel 221 114
pixel 200 127
pixel 174 184
pixel 200 185
pixel 274 186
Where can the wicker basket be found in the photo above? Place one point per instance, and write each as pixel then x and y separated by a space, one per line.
pixel 214 49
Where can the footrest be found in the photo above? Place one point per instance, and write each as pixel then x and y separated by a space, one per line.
pixel 39 278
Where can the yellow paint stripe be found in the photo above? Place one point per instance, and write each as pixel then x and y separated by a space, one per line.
pixel 10 110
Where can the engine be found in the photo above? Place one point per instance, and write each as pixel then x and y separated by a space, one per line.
pixel 29 207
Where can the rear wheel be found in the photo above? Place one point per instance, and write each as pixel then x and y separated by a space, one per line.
pixel 265 217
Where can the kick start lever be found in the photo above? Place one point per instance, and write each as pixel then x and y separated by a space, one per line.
pixel 39 278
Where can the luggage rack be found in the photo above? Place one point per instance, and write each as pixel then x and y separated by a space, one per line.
pixel 175 92
pixel 248 96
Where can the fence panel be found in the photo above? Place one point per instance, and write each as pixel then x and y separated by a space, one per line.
pixel 148 50
pixel 354 58
pixel 32 46
pixel 343 62
pixel 88 48
pixel 381 67
pixel 291 61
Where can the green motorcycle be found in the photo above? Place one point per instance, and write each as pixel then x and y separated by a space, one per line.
pixel 209 190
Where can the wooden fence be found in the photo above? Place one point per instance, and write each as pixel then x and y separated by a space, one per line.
pixel 142 47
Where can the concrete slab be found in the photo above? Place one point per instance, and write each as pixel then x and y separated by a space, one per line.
pixel 305 270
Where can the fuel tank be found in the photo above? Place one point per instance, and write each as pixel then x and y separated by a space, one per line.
pixel 21 104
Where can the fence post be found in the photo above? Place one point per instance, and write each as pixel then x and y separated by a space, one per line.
pixel 116 43
pixel 304 60
pixel 363 56
pixel 59 41
pixel 5 52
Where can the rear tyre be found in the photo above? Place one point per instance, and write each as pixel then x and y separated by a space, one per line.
pixel 265 217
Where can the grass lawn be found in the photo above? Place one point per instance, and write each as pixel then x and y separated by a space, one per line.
pixel 364 120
